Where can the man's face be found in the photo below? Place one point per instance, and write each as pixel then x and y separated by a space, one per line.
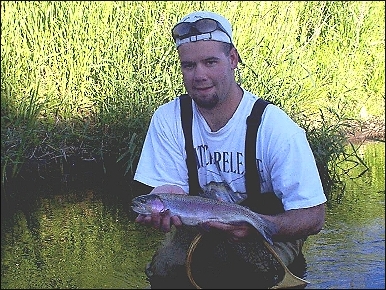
pixel 208 73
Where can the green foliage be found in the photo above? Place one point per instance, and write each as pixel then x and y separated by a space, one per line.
pixel 327 135
pixel 89 74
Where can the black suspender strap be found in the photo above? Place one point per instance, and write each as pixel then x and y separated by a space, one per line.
pixel 187 119
pixel 252 178
pixel 267 203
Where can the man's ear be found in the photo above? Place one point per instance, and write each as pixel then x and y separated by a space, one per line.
pixel 235 58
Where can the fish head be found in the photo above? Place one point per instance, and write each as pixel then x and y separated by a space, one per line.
pixel 146 204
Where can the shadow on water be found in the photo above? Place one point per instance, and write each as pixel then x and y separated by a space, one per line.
pixel 84 236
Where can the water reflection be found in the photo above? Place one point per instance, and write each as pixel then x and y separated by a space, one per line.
pixel 73 242
pixel 87 239
pixel 350 251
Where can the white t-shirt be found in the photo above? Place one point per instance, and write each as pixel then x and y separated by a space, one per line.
pixel 286 163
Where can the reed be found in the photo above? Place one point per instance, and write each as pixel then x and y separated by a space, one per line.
pixel 85 76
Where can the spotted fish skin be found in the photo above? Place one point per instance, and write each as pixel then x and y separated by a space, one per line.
pixel 195 210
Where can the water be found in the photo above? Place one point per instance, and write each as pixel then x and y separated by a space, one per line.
pixel 87 238
pixel 349 253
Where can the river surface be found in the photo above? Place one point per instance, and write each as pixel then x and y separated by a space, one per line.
pixel 87 238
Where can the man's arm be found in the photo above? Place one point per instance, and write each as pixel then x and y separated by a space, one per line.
pixel 297 223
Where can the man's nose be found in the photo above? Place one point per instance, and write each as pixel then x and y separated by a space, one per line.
pixel 200 73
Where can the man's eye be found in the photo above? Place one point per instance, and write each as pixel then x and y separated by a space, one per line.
pixel 210 62
pixel 187 65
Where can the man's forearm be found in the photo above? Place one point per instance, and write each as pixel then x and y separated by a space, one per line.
pixel 298 223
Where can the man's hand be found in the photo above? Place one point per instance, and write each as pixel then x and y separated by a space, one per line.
pixel 235 233
pixel 162 221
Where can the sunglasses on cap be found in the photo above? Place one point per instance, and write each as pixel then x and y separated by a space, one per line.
pixel 205 25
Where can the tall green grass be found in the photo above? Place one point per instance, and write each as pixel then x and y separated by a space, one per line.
pixel 85 76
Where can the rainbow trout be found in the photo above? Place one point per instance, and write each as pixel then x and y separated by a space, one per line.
pixel 195 210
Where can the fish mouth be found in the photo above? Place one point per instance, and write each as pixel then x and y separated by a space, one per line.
pixel 138 207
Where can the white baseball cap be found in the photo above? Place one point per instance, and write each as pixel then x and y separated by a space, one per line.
pixel 204 28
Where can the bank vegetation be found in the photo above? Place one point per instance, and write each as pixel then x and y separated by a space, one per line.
pixel 81 79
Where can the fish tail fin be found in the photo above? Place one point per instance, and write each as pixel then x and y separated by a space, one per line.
pixel 266 228
pixel 269 231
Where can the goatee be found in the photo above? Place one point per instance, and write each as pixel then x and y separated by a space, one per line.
pixel 207 103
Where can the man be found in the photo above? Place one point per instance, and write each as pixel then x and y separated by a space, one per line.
pixel 220 107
